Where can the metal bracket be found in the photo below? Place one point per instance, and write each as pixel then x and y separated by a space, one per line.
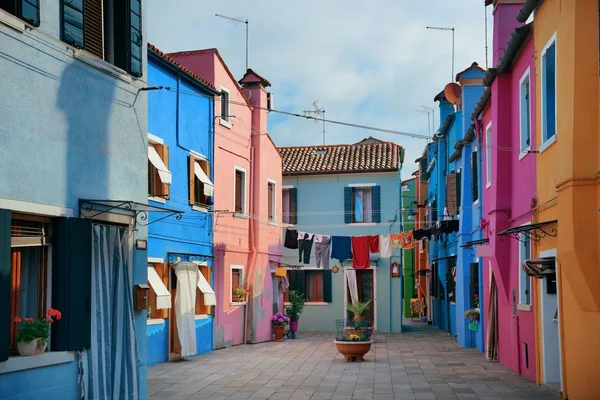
pixel 533 232
pixel 139 211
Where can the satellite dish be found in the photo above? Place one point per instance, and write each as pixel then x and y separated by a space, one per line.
pixel 453 93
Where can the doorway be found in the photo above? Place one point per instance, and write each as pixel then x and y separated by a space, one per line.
pixel 551 351
pixel 365 291
pixel 174 343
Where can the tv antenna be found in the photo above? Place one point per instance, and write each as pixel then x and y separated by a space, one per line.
pixel 241 21
pixel 318 111
pixel 443 28
pixel 430 122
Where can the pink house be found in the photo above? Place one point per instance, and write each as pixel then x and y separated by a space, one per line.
pixel 247 202
pixel 508 179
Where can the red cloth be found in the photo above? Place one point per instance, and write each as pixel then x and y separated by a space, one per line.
pixel 360 252
pixel 374 243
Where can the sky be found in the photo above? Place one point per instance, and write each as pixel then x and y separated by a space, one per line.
pixel 373 63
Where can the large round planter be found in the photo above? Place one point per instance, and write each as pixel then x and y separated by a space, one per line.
pixel 353 351
pixel 279 333
pixel 293 326
pixel 33 348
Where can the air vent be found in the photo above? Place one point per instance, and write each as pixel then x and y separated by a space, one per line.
pixel 269 101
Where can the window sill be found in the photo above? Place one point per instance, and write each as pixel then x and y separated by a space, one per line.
pixel 238 304
pixel 160 200
pixel 488 185
pixel 476 202
pixel 11 21
pixel 310 303
pixel 287 225
pixel 155 321
pixel 272 223
pixel 548 143
pixel 240 216
pixel 14 364
pixel 200 208
pixel 524 307
pixel 225 123
pixel 524 153
pixel 201 316
pixel 362 224
pixel 100 64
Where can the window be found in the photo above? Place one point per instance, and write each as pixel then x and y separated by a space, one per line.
pixel 201 188
pixel 362 203
pixel 240 191
pixel 474 177
pixel 289 197
pixel 225 105
pixel 271 199
pixel 474 285
pixel 237 279
pixel 524 114
pixel 314 284
pixel 524 279
pixel 115 38
pixel 548 68
pixel 27 10
pixel 488 155
pixel 451 279
pixel 159 176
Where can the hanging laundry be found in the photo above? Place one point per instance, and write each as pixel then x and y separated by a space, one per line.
pixel 341 248
pixel 407 240
pixel 291 239
pixel 305 243
pixel 361 246
pixel 319 237
pixel 322 249
pixel 385 246
pixel 419 234
pixel 374 243
pixel 449 226
pixel 284 284
pixel 396 241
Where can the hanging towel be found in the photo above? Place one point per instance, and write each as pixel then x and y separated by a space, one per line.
pixel 350 276
pixel 361 246
pixel 385 246
pixel 396 241
pixel 319 238
pixel 322 249
pixel 407 240
pixel 374 243
pixel 291 239
pixel 284 284
pixel 341 248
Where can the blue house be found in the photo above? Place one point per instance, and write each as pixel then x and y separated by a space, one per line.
pixel 344 190
pixel 180 176
pixel 73 198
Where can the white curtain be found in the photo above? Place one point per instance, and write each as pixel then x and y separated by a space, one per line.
pixel 185 304
pixel 111 362
pixel 368 206
pixel 350 275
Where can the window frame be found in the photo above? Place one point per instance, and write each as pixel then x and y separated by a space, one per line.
pixel 319 284
pixel 241 268
pixel 546 142
pixel 201 160
pixel 524 304
pixel 363 189
pixel 237 168
pixel 18 13
pixel 224 119
pixel 285 218
pixel 488 156
pixel 273 198
pixel 525 126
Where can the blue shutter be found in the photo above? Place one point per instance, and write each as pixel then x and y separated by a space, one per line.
pixel 72 283
pixel 348 205
pixel 30 11
pixel 128 36
pixel 377 204
pixel 327 286
pixel 293 206
pixel 72 23
pixel 5 223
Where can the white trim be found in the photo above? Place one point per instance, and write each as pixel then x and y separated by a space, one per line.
pixel 273 223
pixel 488 155
pixel 161 200
pixel 476 202
pixel 526 76
pixel 547 143
pixel 524 307
pixel 358 224
pixel 29 207
pixel 287 186
pixel 274 200
pixel 552 41
pixel 11 21
pixel 94 61
pixel 155 321
pixel 225 122
pixel 21 363
pixel 241 216
pixel 310 303
pixel 198 156
pixel 200 209
pixel 201 316
pixel 245 191
pixel 361 185
pixel 242 277
pixel 155 139
pixel 156 260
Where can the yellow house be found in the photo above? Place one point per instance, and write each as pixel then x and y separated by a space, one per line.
pixel 568 173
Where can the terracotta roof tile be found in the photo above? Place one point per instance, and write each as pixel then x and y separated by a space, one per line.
pixel 171 60
pixel 369 155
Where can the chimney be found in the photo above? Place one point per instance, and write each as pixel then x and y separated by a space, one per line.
pixel 505 22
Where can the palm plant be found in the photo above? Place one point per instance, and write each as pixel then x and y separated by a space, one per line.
pixel 358 308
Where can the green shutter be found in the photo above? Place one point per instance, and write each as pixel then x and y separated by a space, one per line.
pixel 327 286
pixel 72 283
pixel 296 279
pixel 5 223
pixel 377 204
pixel 128 36
pixel 474 177
pixel 293 206
pixel 72 23
pixel 348 205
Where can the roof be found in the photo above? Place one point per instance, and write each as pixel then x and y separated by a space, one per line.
pixel 527 9
pixel 444 128
pixel 468 138
pixel 252 77
pixel 483 100
pixel 368 155
pixel 473 67
pixel 511 52
pixel 165 57
pixel 440 96
pixel 215 52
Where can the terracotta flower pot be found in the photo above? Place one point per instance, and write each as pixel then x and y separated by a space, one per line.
pixel 279 333
pixel 33 348
pixel 293 326
pixel 353 351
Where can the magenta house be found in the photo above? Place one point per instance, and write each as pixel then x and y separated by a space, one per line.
pixel 506 119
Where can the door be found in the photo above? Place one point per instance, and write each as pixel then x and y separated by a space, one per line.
pixel 365 283
pixel 551 358
pixel 174 343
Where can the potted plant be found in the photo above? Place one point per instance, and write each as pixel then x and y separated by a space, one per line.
pixel 294 310
pixel 240 294
pixel 353 346
pixel 33 334
pixel 472 313
pixel 358 325
pixel 279 322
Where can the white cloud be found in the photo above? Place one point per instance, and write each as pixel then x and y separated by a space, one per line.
pixel 370 63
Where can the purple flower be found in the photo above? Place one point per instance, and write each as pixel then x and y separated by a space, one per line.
pixel 280 320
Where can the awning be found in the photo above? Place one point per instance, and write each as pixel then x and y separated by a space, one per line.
pixel 209 188
pixel 163 171
pixel 539 267
pixel 163 297
pixel 209 295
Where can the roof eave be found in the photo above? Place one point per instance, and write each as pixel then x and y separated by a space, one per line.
pixel 358 171
pixel 483 100
pixel 527 9
pixel 514 45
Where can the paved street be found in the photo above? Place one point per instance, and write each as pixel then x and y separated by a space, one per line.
pixel 416 365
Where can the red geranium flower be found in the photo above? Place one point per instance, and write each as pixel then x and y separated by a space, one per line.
pixel 17 320
pixel 28 319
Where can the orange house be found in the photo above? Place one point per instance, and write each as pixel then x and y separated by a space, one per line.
pixel 567 73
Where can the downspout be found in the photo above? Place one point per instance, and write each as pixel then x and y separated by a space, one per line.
pixel 252 223
pixel 391 302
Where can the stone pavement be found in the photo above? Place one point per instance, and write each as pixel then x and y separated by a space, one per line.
pixel 415 365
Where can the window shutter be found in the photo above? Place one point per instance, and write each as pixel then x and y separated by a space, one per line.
pixel 163 152
pixel 474 177
pixel 293 206
pixel 458 190
pixel 348 205
pixel 191 178
pixel 327 286
pixel 128 36
pixel 72 23
pixel 451 193
pixel 434 280
pixel 5 224
pixel 296 280
pixel 94 29
pixel 377 204
pixel 72 283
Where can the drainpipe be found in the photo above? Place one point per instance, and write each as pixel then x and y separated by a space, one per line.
pixel 252 243
pixel 401 286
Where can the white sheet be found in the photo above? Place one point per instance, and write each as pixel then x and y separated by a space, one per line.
pixel 163 297
pixel 163 171
pixel 209 294
pixel 185 303
pixel 209 188
pixel 350 275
